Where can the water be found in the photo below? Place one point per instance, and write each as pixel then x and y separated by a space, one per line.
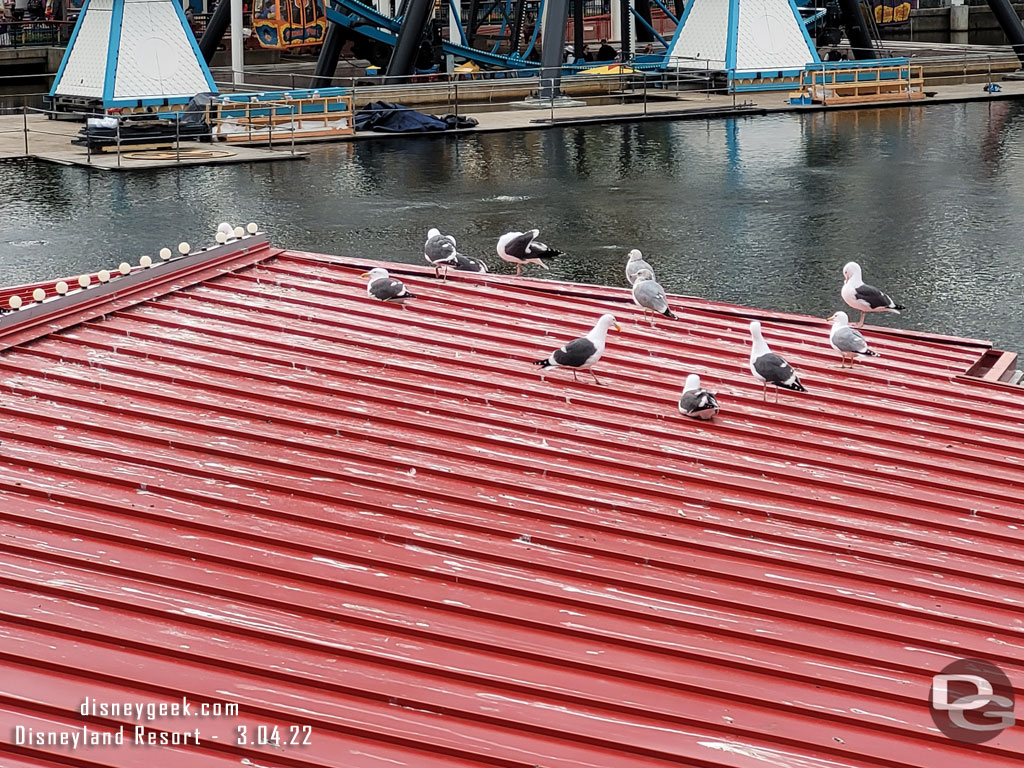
pixel 761 211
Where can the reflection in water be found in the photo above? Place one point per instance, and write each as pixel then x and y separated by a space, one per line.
pixel 761 211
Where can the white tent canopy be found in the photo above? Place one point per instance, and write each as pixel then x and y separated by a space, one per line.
pixel 745 35
pixel 127 52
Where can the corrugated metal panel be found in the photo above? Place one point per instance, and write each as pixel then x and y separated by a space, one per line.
pixel 250 483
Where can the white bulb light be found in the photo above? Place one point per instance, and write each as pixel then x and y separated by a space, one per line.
pixel 84 281
pixel 15 302
pixel 146 261
pixel 103 275
pixel 38 294
pixel 221 238
pixel 253 228
pixel 165 253
pixel 184 248
pixel 239 232
pixel 61 287
pixel 124 268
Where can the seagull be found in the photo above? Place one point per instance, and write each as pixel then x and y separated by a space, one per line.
pixel 696 402
pixel 440 251
pixel 466 264
pixel 584 352
pixel 864 297
pixel 650 296
pixel 523 248
pixel 769 367
pixel 385 288
pixel 635 264
pixel 847 341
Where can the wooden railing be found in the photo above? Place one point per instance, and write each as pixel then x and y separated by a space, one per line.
pixel 859 85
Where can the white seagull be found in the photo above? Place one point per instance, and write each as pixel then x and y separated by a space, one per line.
pixel 440 251
pixel 847 341
pixel 864 297
pixel 650 296
pixel 584 352
pixel 634 263
pixel 696 402
pixel 523 248
pixel 383 287
pixel 769 367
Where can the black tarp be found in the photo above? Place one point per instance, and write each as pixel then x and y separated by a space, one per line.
pixel 396 118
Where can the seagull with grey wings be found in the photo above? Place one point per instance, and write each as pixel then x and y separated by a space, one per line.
pixel 866 298
pixel 383 287
pixel 524 248
pixel 584 352
pixel 650 296
pixel 769 367
pixel 634 264
pixel 696 402
pixel 440 251
pixel 847 341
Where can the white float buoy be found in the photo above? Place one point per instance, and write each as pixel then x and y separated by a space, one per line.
pixel 252 227
pixel 15 302
pixel 146 261
pixel 38 295
pixel 221 238
pixel 84 281
pixel 184 248
pixel 165 253
pixel 103 276
pixel 124 268
pixel 61 287
pixel 239 232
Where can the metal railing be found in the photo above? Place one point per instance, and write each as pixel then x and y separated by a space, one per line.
pixel 26 34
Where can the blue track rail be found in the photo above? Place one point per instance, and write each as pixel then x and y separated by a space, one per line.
pixel 368 21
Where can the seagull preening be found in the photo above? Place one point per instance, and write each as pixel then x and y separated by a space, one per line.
pixel 769 367
pixel 523 248
pixel 847 341
pixel 696 402
pixel 464 263
pixel 864 297
pixel 383 287
pixel 440 251
pixel 650 296
pixel 634 264
pixel 584 352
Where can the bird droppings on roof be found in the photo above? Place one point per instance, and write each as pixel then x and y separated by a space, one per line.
pixel 248 481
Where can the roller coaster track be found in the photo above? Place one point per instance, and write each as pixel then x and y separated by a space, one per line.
pixel 368 21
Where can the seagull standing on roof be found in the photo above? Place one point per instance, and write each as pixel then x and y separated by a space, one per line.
pixel 650 296
pixel 634 263
pixel 383 287
pixel 696 402
pixel 769 367
pixel 847 341
pixel 584 352
pixel 523 248
pixel 864 297
pixel 440 251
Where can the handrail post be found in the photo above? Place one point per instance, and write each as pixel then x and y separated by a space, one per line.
pixel 118 118
pixel 177 138
pixel 24 122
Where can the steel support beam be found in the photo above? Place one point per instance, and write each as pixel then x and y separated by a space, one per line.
pixel 330 52
pixel 556 17
pixel 861 44
pixel 414 25
pixel 1010 22
pixel 215 29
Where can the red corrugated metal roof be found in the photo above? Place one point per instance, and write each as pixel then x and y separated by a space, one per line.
pixel 245 481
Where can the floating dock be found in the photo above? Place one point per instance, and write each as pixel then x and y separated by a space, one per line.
pixel 234 477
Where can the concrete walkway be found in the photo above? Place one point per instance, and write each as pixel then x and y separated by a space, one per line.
pixel 51 139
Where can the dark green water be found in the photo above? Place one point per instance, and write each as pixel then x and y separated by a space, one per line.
pixel 763 211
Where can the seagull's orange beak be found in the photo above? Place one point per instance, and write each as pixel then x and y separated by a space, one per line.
pixel 830 318
pixel 365 274
pixel 617 328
